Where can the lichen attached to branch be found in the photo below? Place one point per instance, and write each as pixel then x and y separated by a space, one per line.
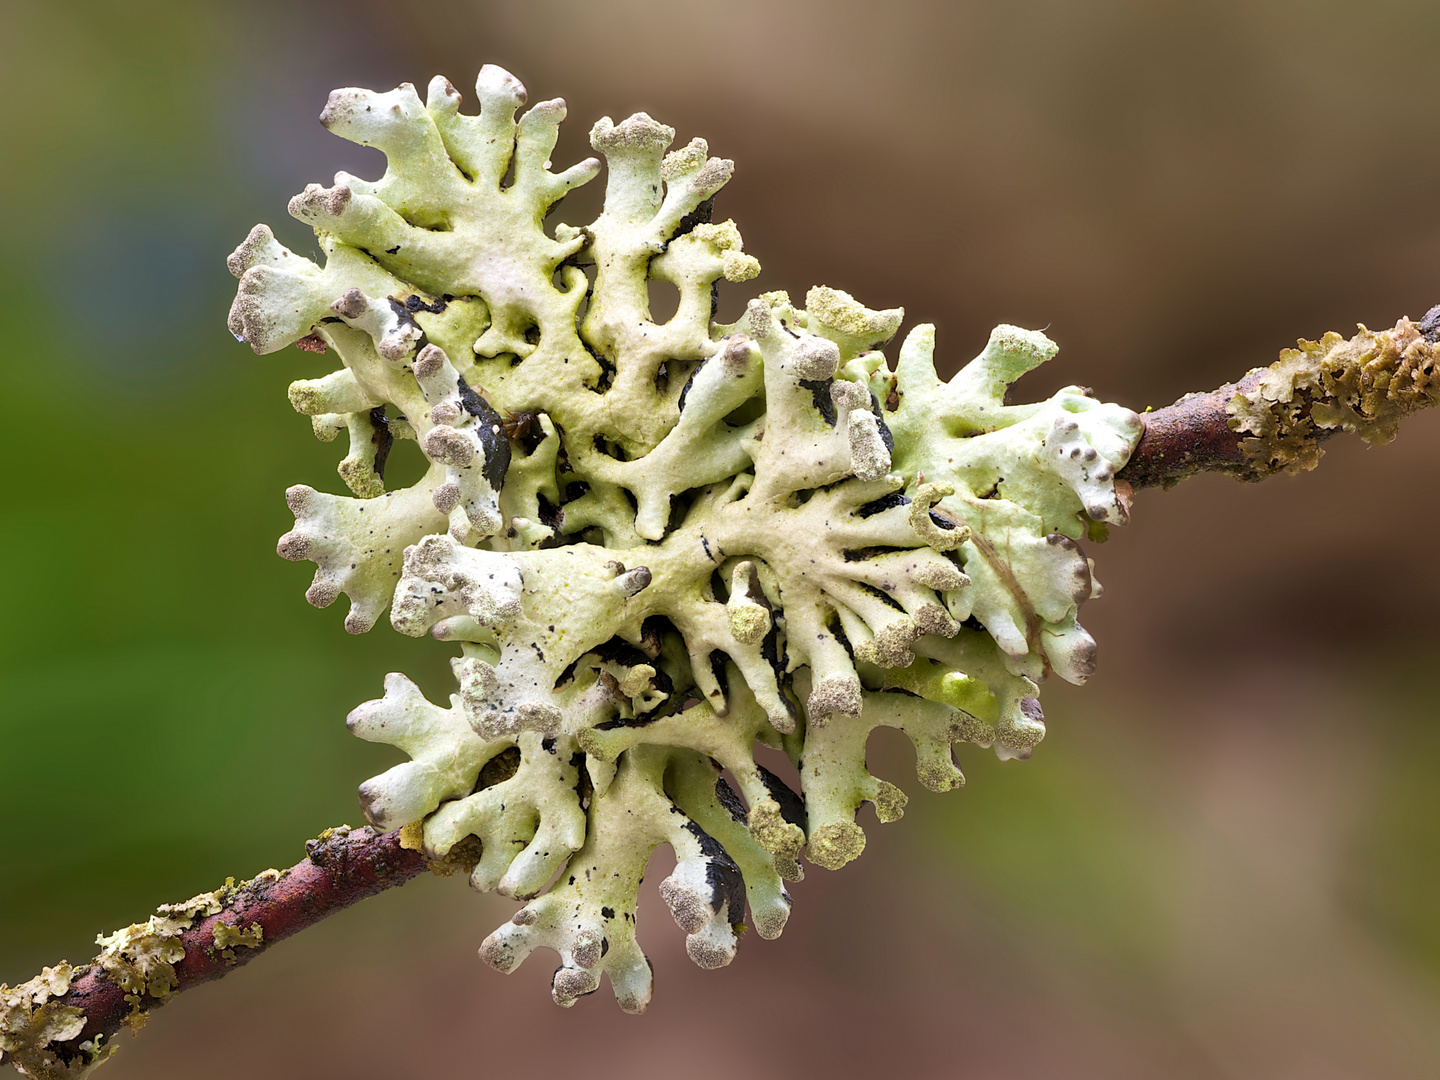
pixel 1365 385
pixel 60 1024
pixel 657 544
pixel 1275 419
pixel 35 1022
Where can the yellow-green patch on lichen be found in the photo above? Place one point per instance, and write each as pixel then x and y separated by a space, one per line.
pixel 772 832
pixel 835 844
pixel 412 836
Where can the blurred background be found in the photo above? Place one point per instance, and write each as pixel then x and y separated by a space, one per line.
pixel 1224 861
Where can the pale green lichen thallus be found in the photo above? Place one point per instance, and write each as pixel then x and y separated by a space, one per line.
pixel 656 544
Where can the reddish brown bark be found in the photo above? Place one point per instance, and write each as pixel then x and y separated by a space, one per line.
pixel 340 870
pixel 1193 435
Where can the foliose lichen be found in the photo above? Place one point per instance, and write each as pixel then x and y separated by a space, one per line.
pixel 33 1024
pixel 657 544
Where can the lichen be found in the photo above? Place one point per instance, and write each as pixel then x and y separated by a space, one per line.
pixel 33 1024
pixel 656 544
pixel 1364 384
pixel 141 958
pixel 230 935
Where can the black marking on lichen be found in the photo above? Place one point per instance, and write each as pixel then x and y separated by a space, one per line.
pixel 490 430
pixel 717 669
pixel 678 507
pixel 880 594
pixel 885 434
pixel 568 673
pixel 414 304
pixel 685 391
pixel 619 651
pixel 727 884
pixel 726 797
pixel 652 632
pixel 381 437
pixel 839 633
pixel 824 403
pixel 607 370
pixel 718 589
pixel 562 455
pixel 643 720
pixel 404 312
pixel 551 516
pixel 860 554
pixel 701 215
pixel 774 653
pixel 584 790
pixel 609 449
pixel 944 523
pixel 792 804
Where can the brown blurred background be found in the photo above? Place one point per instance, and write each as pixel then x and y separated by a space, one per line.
pixel 1222 862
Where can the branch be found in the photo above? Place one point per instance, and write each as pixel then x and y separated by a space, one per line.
pixel 1274 419
pixel 60 1023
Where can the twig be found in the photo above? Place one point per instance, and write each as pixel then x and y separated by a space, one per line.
pixel 185 945
pixel 1274 419
pixel 60 1024
pixel 1194 435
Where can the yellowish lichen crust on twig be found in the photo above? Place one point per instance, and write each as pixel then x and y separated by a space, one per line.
pixel 1275 419
pixel 62 1023
pixel 1365 384
pixel 34 1019
pixel 657 545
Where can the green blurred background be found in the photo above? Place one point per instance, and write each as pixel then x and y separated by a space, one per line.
pixel 1223 860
